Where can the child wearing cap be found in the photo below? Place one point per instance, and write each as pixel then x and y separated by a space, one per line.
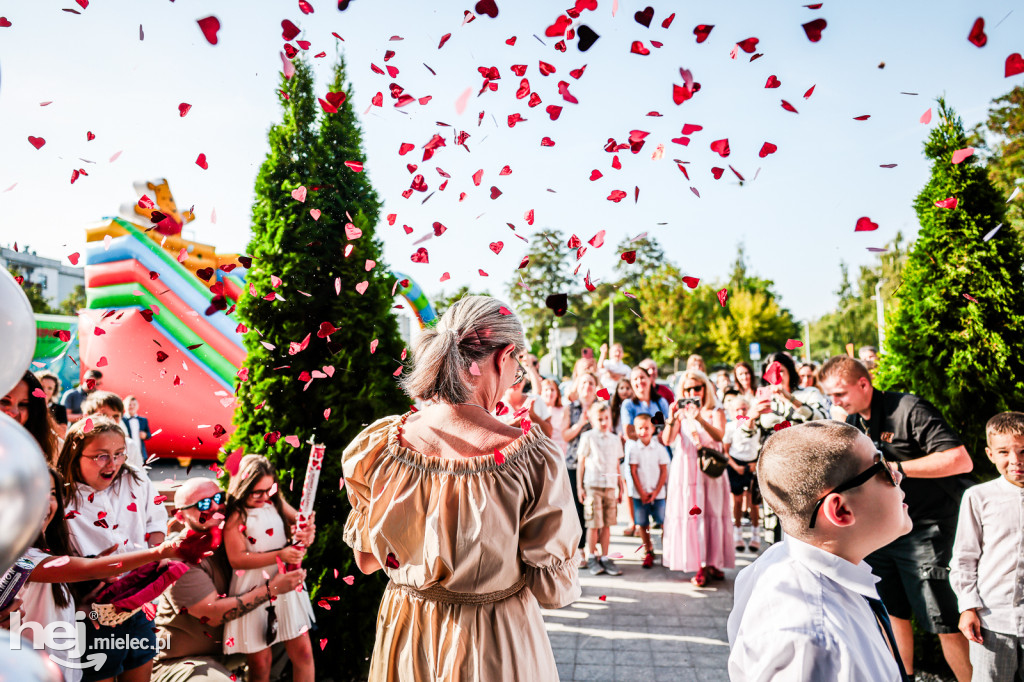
pixel 808 609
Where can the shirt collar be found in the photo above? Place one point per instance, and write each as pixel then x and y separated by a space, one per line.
pixel 1009 486
pixel 855 577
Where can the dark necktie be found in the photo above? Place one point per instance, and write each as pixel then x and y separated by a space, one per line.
pixel 886 626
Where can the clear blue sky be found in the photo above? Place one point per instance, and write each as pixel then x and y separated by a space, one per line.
pixel 796 218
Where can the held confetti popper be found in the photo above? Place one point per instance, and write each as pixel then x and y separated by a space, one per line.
pixel 316 460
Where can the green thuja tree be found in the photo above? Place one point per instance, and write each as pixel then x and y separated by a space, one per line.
pixel 316 312
pixel 956 335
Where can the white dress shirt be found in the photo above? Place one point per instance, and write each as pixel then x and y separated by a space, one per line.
pixel 800 614
pixel 987 568
pixel 121 514
pixel 602 451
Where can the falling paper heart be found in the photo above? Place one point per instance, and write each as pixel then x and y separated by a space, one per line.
pixel 209 26
pixel 960 154
pixel 865 225
pixel 977 35
pixel 1014 64
pixel 299 194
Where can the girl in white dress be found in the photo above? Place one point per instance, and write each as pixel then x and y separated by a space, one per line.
pixel 255 538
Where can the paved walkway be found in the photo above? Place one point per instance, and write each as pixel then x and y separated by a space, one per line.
pixel 646 625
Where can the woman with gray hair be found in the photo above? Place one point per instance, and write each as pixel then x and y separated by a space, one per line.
pixel 471 519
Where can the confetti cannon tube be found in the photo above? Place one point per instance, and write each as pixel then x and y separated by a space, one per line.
pixel 316 461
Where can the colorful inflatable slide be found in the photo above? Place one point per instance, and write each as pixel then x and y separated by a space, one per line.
pixel 150 330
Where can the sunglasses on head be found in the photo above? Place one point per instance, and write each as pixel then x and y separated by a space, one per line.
pixel 207 502
pixel 892 475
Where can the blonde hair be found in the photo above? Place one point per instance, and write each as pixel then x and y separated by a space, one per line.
pixel 709 389
pixel 472 329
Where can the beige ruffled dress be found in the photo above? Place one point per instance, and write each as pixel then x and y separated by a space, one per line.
pixel 473 547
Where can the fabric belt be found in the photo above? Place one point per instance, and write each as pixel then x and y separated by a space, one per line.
pixel 440 594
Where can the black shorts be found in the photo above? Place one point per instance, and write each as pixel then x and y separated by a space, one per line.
pixel 914 572
pixel 738 483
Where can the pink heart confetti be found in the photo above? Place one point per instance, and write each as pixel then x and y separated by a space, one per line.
pixel 960 154
pixel 299 194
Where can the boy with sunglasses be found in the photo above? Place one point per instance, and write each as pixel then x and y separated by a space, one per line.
pixel 807 609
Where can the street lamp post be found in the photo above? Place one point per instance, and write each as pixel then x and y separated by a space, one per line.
pixel 611 320
pixel 880 309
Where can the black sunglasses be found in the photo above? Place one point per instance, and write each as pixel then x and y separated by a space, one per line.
pixel 207 502
pixel 892 475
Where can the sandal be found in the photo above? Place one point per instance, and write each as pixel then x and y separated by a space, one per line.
pixel 631 531
pixel 699 580
pixel 714 573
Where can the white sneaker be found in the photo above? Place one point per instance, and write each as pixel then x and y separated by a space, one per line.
pixel 737 537
pixel 755 540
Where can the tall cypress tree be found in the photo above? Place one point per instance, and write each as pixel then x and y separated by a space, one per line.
pixel 309 347
pixel 956 335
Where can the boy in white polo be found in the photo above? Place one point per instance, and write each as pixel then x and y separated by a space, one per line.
pixel 808 609
pixel 647 462
pixel 601 487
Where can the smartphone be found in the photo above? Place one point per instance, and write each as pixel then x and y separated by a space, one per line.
pixel 587 353
pixel 763 393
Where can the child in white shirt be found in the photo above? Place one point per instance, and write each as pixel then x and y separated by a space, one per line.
pixel 986 571
pixel 600 485
pixel 741 445
pixel 648 464
pixel 808 609
pixel 111 508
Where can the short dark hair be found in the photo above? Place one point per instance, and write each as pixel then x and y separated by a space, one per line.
pixel 92 374
pixel 1005 424
pixel 845 367
pixel 801 463
pixel 787 362
pixel 98 399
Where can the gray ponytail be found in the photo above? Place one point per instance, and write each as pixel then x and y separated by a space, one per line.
pixel 472 330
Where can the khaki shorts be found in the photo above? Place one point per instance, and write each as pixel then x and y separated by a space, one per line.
pixel 601 507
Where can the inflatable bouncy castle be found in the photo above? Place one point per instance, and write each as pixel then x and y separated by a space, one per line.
pixel 149 325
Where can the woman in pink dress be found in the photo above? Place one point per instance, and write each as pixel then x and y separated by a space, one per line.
pixel 698 514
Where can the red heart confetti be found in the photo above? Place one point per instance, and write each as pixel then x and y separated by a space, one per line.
pixel 183 109
pixel 420 256
pixel 354 166
pixel 773 374
pixel 638 48
pixel 691 282
pixel 810 91
pixel 772 82
pixel 926 117
pixel 74 258
pixel 862 118
pixel 970 298
pixel 668 20
pixel 977 35
pixel 748 45
pixel 781 425
pixel 209 26
pixel 723 296
pixel 629 256
pixel 814 28
pixel 865 225
pixel 789 107
pixel 694 510
pixel 960 154
pixel 36 142
pixel 603 394
pixel 201 162
pixel 391 561
pixel 644 17
pixel 951 202
pixel 721 147
pixel 487 7
pixel 792 344
pixel 766 149
pixel 702 31
pixel 289 30
pixel 1014 64
pixel 496 247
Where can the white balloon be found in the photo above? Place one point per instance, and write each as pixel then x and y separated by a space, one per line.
pixel 24 663
pixel 17 332
pixel 24 491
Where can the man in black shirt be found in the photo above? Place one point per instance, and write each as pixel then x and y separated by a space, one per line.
pixel 913 570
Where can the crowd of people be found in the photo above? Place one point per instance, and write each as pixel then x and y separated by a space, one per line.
pixel 867 487
pixel 229 605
